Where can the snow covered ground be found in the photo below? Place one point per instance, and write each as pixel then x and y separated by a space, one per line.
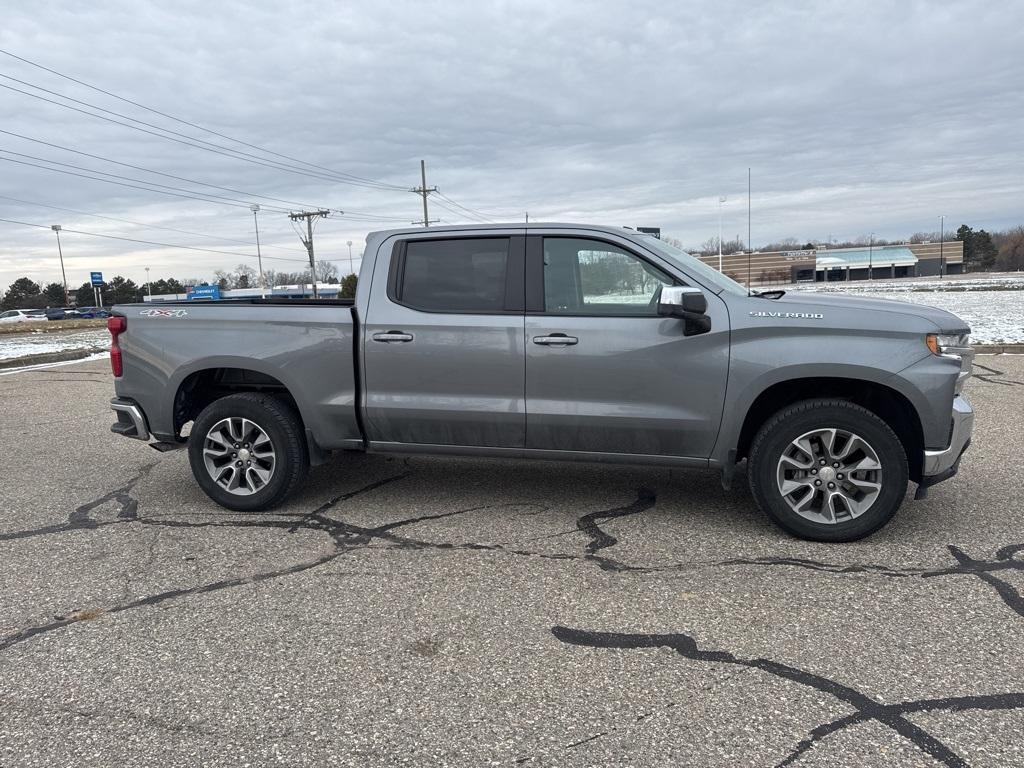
pixel 955 283
pixel 22 345
pixel 992 306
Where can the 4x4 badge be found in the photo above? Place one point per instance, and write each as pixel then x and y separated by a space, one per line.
pixel 163 313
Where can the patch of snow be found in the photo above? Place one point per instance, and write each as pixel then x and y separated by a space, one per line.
pixel 12 347
pixel 995 317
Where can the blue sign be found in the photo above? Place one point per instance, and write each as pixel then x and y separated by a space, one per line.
pixel 96 278
pixel 208 292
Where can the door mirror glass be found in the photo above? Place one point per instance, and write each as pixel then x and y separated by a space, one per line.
pixel 687 303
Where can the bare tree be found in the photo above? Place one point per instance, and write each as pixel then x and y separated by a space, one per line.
pixel 1011 252
pixel 326 272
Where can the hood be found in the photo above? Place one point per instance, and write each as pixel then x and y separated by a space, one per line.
pixel 945 322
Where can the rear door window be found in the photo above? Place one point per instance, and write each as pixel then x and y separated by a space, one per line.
pixel 457 275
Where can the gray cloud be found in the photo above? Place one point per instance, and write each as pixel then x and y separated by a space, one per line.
pixel 854 117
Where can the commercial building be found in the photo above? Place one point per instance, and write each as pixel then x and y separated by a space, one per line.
pixel 831 264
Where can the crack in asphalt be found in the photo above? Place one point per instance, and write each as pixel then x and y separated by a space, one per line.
pixel 599 539
pixel 1004 560
pixel 338 531
pixel 80 519
pixel 866 708
pixel 347 537
pixel 983 569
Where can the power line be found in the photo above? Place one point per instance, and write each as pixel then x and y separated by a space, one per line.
pixel 196 126
pixel 187 140
pixel 461 214
pixel 149 242
pixel 148 170
pixel 469 211
pixel 147 226
pixel 185 194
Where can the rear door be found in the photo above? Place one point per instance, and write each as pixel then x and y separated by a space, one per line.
pixel 443 342
pixel 605 373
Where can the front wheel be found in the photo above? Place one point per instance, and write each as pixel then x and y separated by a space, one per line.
pixel 247 451
pixel 828 470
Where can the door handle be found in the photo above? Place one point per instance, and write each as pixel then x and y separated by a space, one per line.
pixel 556 340
pixel 392 336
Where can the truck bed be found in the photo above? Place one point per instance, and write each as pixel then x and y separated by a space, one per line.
pixel 303 346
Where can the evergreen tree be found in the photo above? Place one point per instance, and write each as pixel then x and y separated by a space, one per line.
pixel 54 294
pixel 983 250
pixel 21 295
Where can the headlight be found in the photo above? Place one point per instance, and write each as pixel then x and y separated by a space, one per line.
pixel 952 344
pixel 955 346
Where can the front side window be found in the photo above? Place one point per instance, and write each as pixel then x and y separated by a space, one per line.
pixel 457 275
pixel 591 277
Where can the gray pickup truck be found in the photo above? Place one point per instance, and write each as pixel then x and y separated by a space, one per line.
pixel 557 341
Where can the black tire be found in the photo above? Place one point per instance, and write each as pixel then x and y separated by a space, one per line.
pixel 795 420
pixel 284 428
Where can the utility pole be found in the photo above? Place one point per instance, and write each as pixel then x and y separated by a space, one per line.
pixel 149 285
pixel 259 256
pixel 56 230
pixel 351 269
pixel 424 191
pixel 308 239
pixel 942 238
pixel 871 247
pixel 721 199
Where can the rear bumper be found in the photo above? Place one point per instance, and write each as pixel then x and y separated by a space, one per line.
pixel 131 421
pixel 942 464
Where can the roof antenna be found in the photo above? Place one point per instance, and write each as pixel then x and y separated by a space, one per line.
pixel 749 247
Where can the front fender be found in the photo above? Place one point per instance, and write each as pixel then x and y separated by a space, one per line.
pixel 763 358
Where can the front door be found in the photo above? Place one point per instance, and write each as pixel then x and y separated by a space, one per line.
pixel 443 343
pixel 605 373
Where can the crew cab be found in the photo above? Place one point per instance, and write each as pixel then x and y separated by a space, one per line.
pixel 557 341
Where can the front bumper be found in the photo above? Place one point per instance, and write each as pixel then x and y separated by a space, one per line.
pixel 131 421
pixel 942 464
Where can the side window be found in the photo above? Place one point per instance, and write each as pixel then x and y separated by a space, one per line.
pixel 457 275
pixel 590 277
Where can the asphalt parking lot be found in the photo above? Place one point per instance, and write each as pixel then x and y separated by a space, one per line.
pixel 450 612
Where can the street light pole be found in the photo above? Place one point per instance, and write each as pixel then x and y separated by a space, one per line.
pixel 721 199
pixel 64 277
pixel 351 269
pixel 942 233
pixel 149 285
pixel 259 256
pixel 871 254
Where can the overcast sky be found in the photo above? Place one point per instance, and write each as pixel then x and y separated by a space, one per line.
pixel 855 118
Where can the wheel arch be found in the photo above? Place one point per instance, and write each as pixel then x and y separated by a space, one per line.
pixel 890 405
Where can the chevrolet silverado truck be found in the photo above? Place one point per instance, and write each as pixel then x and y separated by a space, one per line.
pixel 557 341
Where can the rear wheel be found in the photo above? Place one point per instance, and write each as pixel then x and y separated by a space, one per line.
pixel 247 451
pixel 828 470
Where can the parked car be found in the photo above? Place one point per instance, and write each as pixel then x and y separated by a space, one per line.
pixel 22 315
pixel 558 342
pixel 92 312
pixel 60 313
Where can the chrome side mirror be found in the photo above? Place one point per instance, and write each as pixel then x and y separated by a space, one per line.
pixel 688 303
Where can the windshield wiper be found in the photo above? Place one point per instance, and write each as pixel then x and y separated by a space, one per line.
pixel 770 294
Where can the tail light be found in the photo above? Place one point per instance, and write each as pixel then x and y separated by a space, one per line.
pixel 116 325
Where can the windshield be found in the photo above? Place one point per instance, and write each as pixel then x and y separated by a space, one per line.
pixel 688 263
